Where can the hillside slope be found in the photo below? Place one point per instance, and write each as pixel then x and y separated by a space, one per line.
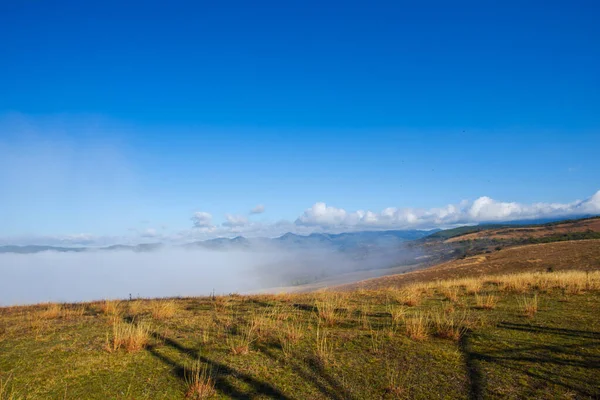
pixel 581 254
pixel 564 228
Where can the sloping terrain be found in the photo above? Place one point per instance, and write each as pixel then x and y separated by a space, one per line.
pixel 534 336
pixel 580 254
pixel 588 225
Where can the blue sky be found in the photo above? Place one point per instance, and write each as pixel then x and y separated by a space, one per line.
pixel 122 122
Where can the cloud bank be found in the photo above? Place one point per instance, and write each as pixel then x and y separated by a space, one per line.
pixel 321 217
pixel 483 209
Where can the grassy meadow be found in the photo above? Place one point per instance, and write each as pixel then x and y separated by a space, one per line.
pixel 529 335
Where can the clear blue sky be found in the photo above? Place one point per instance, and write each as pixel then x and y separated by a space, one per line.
pixel 118 118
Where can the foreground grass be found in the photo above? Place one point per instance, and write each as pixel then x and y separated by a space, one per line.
pixel 515 336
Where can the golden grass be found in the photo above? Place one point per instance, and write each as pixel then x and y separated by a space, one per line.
pixel 110 307
pixel 6 392
pixel 288 336
pixel 323 346
pixel 410 296
pixel 529 305
pixel 561 257
pixel 417 326
pixel 239 344
pixel 328 307
pixel 131 337
pixel 200 382
pixel 52 311
pixel 486 301
pixel 135 307
pixel 449 325
pixel 450 292
pixel 398 314
pixel 163 309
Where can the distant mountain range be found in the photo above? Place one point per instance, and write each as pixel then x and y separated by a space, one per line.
pixel 342 242
pixel 357 243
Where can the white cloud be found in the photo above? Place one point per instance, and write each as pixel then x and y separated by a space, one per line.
pixel 202 219
pixel 149 233
pixel 322 215
pixel 323 218
pixel 235 220
pixel 483 209
pixel 259 209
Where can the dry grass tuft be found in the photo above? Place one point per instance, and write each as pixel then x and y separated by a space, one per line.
pixel 398 314
pixel 324 347
pixel 52 311
pixel 410 296
pixel 328 308
pixel 486 302
pixel 451 325
pixel 529 305
pixel 131 337
pixel 450 292
pixel 200 381
pixel 111 307
pixel 246 335
pixel 417 326
pixel 288 336
pixel 163 309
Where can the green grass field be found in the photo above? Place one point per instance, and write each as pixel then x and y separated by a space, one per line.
pixel 534 336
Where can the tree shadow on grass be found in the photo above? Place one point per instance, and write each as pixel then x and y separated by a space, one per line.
pixel 547 362
pixel 222 375
pixel 313 371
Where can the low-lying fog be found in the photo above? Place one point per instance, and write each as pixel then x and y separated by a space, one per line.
pixel 93 275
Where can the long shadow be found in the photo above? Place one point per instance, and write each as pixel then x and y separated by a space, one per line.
pixel 312 371
pixel 476 380
pixel 305 307
pixel 223 371
pixel 554 331
pixel 544 354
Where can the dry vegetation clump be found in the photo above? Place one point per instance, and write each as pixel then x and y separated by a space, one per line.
pixel 329 306
pixel 450 292
pixel 163 309
pixel 398 314
pixel 52 311
pixel 323 346
pixel 200 382
pixel 410 296
pixel 129 336
pixel 417 326
pixel 74 311
pixel 472 285
pixel 288 335
pixel 111 307
pixel 486 301
pixel 245 335
pixel 529 305
pixel 135 307
pixel 449 325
